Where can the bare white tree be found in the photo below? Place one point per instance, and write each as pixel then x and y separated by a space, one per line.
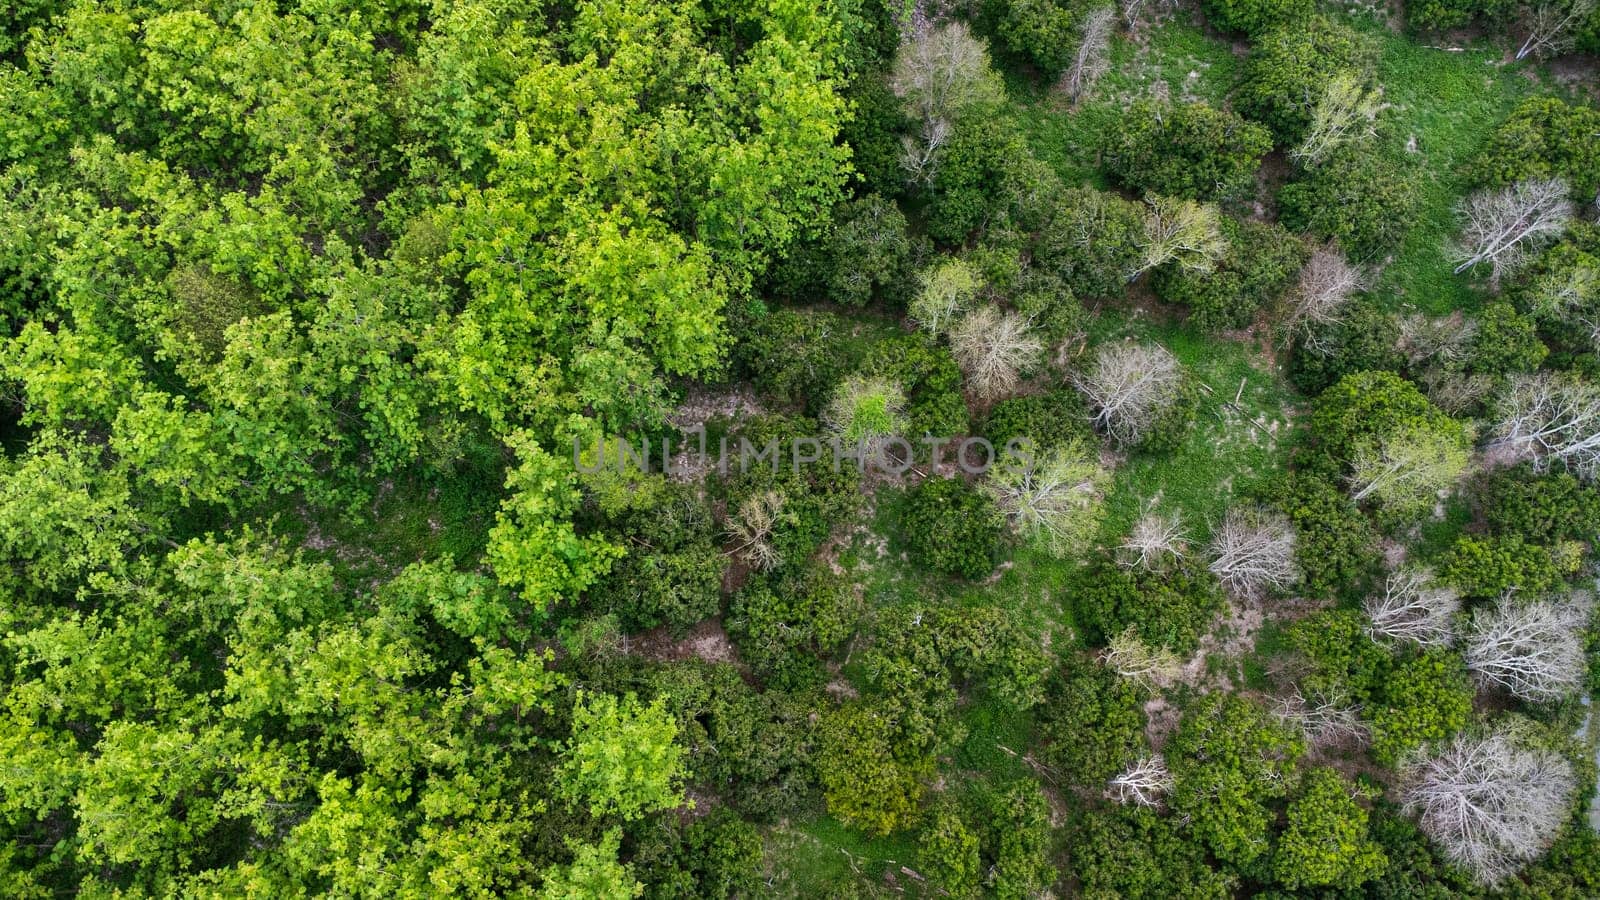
pixel 1490 803
pixel 1346 112
pixel 1413 607
pixel 1129 387
pixel 1093 56
pixel 752 527
pixel 1156 541
pixel 941 73
pixel 1326 285
pixel 1325 720
pixel 1133 659
pixel 1184 232
pixel 993 350
pixel 1552 26
pixel 1253 550
pixel 1144 783
pixel 1552 419
pixel 1503 226
pixel 1055 499
pixel 1436 341
pixel 1533 650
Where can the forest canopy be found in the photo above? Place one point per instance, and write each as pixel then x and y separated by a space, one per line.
pixel 619 448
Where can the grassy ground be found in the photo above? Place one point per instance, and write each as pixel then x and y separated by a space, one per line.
pixel 1231 445
pixel 1442 107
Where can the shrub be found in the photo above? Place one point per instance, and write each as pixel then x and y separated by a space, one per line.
pixel 1360 197
pixel 869 253
pixel 718 856
pixel 792 356
pixel 1544 137
pixel 1138 852
pixel 1230 761
pixel 947 289
pixel 1505 342
pixel 932 382
pixel 1289 67
pixel 1051 306
pixel 1168 609
pixel 1049 420
pixel 1019 838
pixel 1045 32
pixel 786 626
pixel 1325 842
pixel 1341 661
pixel 1365 405
pixel 1092 723
pixel 865 783
pixel 1365 337
pixel 1261 263
pixel 865 411
pixel 1560 288
pixel 986 177
pixel 676 588
pixel 873 135
pixel 1092 242
pixel 1336 547
pixel 1189 150
pixel 1424 699
pixel 1489 567
pixel 947 852
pixel 1539 509
pixel 1255 16
pixel 951 527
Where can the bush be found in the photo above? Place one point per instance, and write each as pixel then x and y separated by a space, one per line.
pixel 947 852
pixel 1560 288
pixel 1335 546
pixel 1341 660
pixel 864 782
pixel 1050 420
pixel 1137 852
pixel 1019 841
pixel 791 356
pixel 932 382
pixel 1262 262
pixel 1325 842
pixel 1050 305
pixel 986 177
pixel 1366 405
pixel 1186 150
pixel 672 572
pixel 1230 761
pixel 1359 197
pixel 1505 343
pixel 786 627
pixel 1288 68
pixel 1539 509
pixel 1168 609
pixel 1365 338
pixel 1044 32
pixel 1424 699
pixel 951 527
pixel 715 857
pixel 1092 723
pixel 1488 567
pixel 870 253
pixel 1544 137
pixel 1255 16
pixel 754 749
pixel 1092 243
